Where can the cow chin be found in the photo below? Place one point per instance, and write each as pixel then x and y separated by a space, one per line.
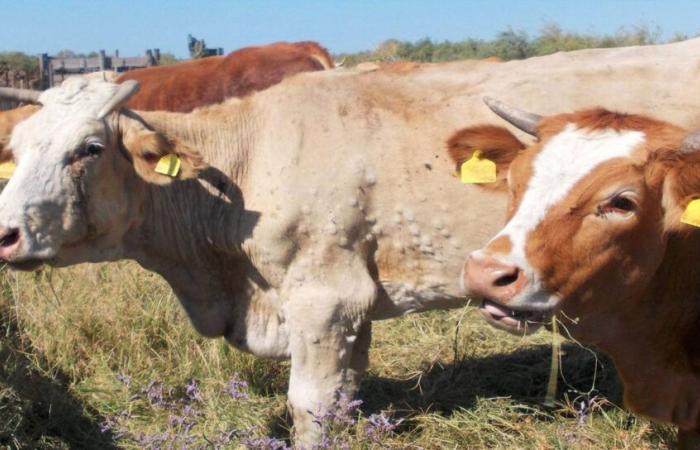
pixel 27 265
pixel 515 321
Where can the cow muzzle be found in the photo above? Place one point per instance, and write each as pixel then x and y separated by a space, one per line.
pixel 498 284
pixel 9 243
pixel 10 250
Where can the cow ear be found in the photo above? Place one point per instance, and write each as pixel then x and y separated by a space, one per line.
pixel 159 159
pixel 493 143
pixel 681 192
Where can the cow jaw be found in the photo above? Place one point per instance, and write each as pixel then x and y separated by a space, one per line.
pixel 514 321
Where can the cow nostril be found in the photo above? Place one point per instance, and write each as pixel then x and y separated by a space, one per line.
pixel 505 280
pixel 9 238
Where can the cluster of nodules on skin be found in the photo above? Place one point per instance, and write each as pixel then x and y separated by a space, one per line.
pixel 352 221
pixel 427 239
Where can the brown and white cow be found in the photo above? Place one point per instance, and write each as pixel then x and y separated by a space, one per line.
pixel 594 236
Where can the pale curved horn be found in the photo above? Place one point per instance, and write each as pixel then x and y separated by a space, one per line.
pixel 523 120
pixel 124 92
pixel 21 95
pixel 691 143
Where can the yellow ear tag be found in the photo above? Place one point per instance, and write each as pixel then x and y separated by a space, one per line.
pixel 691 215
pixel 168 165
pixel 6 170
pixel 477 170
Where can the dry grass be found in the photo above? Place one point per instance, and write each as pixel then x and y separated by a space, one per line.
pixel 68 336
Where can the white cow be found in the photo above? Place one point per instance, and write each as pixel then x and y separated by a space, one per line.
pixel 304 212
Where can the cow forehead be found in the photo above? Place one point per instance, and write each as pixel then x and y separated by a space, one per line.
pixel 69 112
pixel 50 136
pixel 563 161
pixel 570 156
pixel 79 96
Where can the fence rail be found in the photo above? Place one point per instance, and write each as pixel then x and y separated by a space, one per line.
pixel 53 70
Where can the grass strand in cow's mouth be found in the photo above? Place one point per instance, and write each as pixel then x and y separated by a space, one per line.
pixel 512 320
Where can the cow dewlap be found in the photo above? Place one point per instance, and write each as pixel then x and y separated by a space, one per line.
pixel 168 165
pixel 478 170
pixel 6 170
pixel 691 215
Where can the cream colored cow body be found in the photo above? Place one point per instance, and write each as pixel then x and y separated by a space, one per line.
pixel 327 201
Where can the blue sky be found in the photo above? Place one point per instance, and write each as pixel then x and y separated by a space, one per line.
pixel 35 26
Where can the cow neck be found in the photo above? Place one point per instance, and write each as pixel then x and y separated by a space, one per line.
pixel 198 221
pixel 657 347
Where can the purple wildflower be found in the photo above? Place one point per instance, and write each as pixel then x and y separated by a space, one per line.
pixel 331 443
pixel 188 410
pixel 264 443
pixel 152 441
pixel 124 379
pixel 237 388
pixel 157 394
pixel 108 424
pixel 379 425
pixel 184 424
pixel 112 424
pixel 223 440
pixel 344 412
pixel 192 391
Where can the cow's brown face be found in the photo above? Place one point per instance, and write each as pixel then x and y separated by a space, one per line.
pixel 585 232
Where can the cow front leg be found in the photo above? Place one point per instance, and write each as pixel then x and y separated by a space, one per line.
pixel 359 361
pixel 329 344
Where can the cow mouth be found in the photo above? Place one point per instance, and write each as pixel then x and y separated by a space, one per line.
pixel 27 265
pixel 516 321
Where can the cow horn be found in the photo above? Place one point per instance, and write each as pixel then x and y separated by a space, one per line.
pixel 691 143
pixel 124 92
pixel 21 95
pixel 339 64
pixel 523 120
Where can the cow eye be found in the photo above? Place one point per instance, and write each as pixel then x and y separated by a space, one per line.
pixel 620 204
pixel 90 149
pixel 93 149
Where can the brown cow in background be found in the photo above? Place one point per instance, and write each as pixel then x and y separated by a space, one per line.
pixel 189 85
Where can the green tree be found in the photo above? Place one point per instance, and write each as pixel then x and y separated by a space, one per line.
pixel 19 61
pixel 167 58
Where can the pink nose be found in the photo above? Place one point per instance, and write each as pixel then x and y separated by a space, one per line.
pixel 488 277
pixel 9 242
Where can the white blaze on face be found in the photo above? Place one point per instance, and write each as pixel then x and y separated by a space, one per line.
pixel 564 161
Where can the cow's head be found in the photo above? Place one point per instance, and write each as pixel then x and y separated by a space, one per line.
pixel 599 233
pixel 592 206
pixel 82 166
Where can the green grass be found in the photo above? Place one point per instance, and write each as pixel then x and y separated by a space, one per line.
pixel 66 335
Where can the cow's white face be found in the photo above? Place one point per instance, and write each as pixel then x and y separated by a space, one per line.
pixel 79 182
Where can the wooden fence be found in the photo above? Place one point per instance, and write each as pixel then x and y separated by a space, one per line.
pixel 53 70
